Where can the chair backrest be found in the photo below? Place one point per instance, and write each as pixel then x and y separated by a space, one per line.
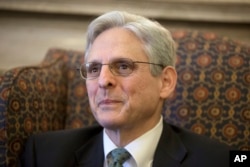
pixel 212 97
pixel 33 100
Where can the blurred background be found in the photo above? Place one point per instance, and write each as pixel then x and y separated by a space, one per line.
pixel 28 28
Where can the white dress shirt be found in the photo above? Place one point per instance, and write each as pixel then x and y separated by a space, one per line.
pixel 141 149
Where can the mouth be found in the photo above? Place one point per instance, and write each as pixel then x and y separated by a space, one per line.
pixel 108 102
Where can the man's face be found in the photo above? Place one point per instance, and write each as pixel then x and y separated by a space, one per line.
pixel 123 102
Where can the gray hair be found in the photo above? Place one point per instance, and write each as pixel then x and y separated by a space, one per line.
pixel 158 43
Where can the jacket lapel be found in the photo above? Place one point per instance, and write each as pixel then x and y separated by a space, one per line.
pixel 170 150
pixel 91 154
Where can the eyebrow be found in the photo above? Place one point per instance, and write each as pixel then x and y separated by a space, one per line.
pixel 109 60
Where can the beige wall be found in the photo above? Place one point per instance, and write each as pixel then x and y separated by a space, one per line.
pixel 194 10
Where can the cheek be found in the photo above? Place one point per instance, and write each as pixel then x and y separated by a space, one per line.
pixel 91 89
pixel 146 87
pixel 139 87
pixel 143 82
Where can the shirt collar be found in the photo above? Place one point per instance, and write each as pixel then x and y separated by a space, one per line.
pixel 141 149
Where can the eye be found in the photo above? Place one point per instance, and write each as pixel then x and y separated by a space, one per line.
pixel 93 68
pixel 123 67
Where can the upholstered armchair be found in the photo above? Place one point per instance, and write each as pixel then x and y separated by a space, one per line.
pixel 212 96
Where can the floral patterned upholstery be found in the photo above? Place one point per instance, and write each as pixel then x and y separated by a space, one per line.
pixel 36 99
pixel 212 97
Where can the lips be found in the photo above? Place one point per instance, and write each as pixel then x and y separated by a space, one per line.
pixel 108 102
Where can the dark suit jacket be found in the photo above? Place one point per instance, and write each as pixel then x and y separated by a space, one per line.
pixel 84 148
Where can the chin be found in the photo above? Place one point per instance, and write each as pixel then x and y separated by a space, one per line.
pixel 110 123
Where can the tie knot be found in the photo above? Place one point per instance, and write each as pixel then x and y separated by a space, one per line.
pixel 117 157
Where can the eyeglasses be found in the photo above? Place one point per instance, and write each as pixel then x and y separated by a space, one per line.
pixel 120 67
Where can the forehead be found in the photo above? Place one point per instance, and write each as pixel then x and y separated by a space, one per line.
pixel 117 43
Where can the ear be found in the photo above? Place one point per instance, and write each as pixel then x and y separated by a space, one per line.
pixel 169 80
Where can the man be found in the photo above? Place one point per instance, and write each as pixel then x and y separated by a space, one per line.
pixel 129 72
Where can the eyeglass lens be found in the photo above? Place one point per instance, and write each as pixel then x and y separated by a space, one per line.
pixel 122 67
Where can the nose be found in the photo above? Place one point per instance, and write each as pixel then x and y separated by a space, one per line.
pixel 106 78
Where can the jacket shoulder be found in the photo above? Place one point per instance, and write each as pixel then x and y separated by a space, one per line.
pixel 202 150
pixel 52 149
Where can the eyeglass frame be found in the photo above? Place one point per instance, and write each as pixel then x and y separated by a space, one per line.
pixel 111 67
